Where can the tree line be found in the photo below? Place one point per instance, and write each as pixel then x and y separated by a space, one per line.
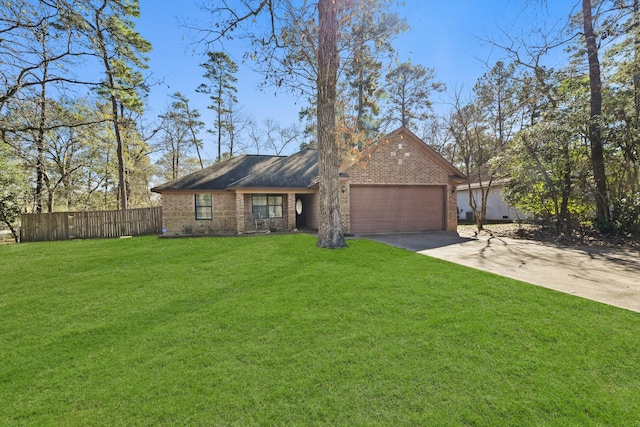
pixel 72 92
pixel 74 85
pixel 566 137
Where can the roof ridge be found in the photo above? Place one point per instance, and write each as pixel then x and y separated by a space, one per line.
pixel 216 171
pixel 280 158
pixel 287 168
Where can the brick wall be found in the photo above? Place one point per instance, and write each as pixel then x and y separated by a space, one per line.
pixel 400 161
pixel 403 160
pixel 179 214
pixel 452 206
pixel 279 224
pixel 345 205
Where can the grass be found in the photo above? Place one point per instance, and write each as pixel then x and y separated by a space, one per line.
pixel 274 331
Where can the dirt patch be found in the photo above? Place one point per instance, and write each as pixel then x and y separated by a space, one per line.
pixel 590 238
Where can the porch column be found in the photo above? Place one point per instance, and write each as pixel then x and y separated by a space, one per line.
pixel 452 206
pixel 345 207
pixel 291 211
pixel 239 212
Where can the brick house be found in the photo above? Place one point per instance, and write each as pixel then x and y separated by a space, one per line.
pixel 399 184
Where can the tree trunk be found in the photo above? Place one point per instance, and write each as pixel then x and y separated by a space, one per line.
pixel 565 215
pixel 50 199
pixel 633 180
pixel 330 233
pixel 479 211
pixel 359 123
pixel 404 120
pixel 219 117
pixel 174 160
pixel 115 119
pixel 122 187
pixel 194 137
pixel 106 181
pixel 636 58
pixel 595 133
pixel 14 232
pixel 40 161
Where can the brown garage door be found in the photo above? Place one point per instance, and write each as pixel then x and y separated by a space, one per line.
pixel 381 209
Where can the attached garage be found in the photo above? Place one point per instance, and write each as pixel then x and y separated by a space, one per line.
pixel 397 208
pixel 398 184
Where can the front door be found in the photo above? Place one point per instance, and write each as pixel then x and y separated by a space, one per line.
pixel 301 215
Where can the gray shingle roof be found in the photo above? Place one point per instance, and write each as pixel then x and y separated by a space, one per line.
pixel 220 175
pixel 300 170
pixel 296 171
pixel 251 171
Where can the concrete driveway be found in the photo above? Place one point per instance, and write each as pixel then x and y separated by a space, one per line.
pixel 609 276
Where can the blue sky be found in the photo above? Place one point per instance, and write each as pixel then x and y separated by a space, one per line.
pixel 443 35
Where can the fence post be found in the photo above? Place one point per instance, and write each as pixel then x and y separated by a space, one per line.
pixel 90 224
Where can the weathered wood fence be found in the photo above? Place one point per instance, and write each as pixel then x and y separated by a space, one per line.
pixel 91 224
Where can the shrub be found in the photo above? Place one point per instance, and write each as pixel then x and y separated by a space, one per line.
pixel 626 214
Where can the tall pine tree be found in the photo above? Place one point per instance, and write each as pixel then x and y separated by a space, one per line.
pixel 220 71
pixel 121 50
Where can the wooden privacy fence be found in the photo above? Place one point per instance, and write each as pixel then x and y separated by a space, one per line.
pixel 88 225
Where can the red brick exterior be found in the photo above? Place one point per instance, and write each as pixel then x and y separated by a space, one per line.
pixel 400 159
pixel 271 224
pixel 179 214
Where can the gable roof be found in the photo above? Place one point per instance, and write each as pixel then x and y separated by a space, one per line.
pixel 300 170
pixel 453 171
pixel 296 171
pixel 220 175
pixel 403 132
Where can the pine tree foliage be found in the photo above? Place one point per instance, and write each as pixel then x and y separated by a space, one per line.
pixel 220 72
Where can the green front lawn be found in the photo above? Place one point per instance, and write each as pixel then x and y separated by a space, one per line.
pixel 272 330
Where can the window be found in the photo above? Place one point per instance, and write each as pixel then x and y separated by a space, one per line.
pixel 204 206
pixel 266 206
